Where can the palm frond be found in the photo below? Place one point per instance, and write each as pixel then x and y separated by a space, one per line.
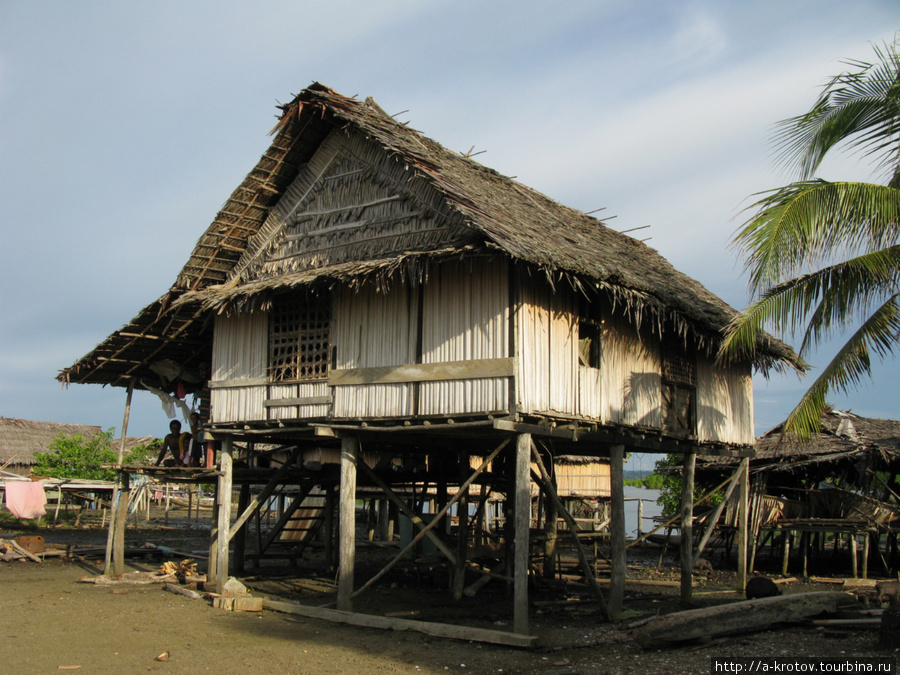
pixel 877 335
pixel 858 107
pixel 804 224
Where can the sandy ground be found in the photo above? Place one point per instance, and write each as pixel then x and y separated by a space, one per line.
pixel 50 622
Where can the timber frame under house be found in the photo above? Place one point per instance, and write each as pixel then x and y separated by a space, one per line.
pixel 367 291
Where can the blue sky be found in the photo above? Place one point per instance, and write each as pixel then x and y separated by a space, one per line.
pixel 124 126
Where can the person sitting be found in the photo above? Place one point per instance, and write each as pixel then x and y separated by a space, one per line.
pixel 177 443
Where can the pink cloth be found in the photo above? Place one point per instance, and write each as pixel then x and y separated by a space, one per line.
pixel 26 499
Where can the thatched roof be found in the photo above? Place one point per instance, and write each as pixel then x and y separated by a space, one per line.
pixel 20 439
pixel 497 213
pixel 843 437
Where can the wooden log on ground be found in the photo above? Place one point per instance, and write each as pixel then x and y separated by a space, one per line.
pixel 426 627
pixel 740 617
pixel 181 590
pixel 128 579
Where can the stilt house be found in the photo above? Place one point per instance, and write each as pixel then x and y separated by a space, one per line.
pixel 367 287
pixel 840 485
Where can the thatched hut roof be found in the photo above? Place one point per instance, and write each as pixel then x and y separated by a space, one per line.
pixel 843 437
pixel 495 212
pixel 20 439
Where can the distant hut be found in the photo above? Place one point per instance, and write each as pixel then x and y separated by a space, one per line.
pixel 21 439
pixel 366 289
pixel 843 482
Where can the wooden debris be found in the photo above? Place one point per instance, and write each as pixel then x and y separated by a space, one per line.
pixel 185 567
pixel 181 590
pixel 847 623
pixel 740 617
pixel 128 579
pixel 239 604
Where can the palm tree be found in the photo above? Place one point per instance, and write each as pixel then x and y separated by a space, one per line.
pixel 824 257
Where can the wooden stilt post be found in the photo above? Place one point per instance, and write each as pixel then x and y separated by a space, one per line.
pixel 687 529
pixel 743 529
pixel 617 530
pixel 551 530
pixel 329 527
pixel 240 537
pixel 522 525
pixel 213 539
pixel 462 529
pixel 347 522
pixel 116 537
pixel 223 524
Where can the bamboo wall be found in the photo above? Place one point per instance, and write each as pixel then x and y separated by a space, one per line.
pixel 630 375
pixel 465 317
pixel 547 362
pixel 724 402
pixel 239 377
pixel 373 329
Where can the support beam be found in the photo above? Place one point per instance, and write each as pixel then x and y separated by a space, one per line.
pixel 425 530
pixel 544 481
pixel 687 529
pixel 347 522
pixel 223 524
pixel 522 525
pixel 743 527
pixel 249 509
pixel 714 518
pixel 617 530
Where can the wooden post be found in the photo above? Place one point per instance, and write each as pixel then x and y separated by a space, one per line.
pixel 328 525
pixel 551 530
pixel 347 522
pixel 787 553
pixel 240 537
pixel 854 557
pixel 617 530
pixel 865 556
pixel 687 529
pixel 462 529
pixel 213 539
pixel 743 529
pixel 111 535
pixel 640 516
pixel 120 514
pixel 522 525
pixel 224 516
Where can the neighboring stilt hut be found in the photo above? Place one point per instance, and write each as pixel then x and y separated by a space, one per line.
pixel 367 291
pixel 840 486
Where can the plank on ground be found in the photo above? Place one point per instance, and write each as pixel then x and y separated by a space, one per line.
pixel 427 627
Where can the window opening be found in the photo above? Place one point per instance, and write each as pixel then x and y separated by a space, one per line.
pixel 299 338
